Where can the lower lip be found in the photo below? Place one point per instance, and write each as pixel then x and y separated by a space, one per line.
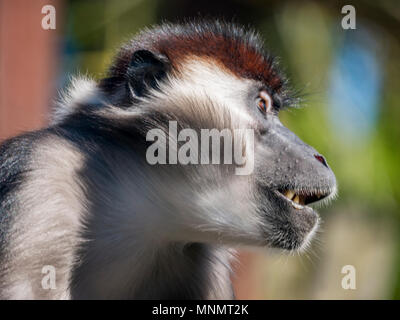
pixel 296 205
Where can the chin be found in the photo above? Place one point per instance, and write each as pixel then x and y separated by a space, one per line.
pixel 290 221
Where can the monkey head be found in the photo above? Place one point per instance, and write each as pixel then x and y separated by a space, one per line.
pixel 216 75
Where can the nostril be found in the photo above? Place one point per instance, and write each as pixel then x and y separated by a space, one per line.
pixel 321 159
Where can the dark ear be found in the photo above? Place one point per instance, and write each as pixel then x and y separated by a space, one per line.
pixel 144 70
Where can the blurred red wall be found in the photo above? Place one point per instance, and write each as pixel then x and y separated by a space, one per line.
pixel 27 65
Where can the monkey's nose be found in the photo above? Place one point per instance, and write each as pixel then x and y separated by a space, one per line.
pixel 321 159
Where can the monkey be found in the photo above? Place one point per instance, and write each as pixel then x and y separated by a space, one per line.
pixel 79 195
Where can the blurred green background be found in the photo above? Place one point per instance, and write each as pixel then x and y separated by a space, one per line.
pixel 350 82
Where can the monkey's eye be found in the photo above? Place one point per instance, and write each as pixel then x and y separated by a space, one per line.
pixel 264 102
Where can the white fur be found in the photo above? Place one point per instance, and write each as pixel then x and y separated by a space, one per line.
pixel 46 231
pixel 81 90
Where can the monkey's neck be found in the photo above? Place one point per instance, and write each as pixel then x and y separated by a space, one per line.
pixel 129 246
pixel 177 271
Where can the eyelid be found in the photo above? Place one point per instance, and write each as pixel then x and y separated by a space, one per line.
pixel 268 100
pixel 264 94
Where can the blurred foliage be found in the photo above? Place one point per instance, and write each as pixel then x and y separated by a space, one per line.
pixel 308 37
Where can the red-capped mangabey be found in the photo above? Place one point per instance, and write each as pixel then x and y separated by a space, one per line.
pixel 82 197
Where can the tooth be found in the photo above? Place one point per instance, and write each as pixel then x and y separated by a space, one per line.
pixel 289 194
pixel 296 199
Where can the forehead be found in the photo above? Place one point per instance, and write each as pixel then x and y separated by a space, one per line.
pixel 209 77
pixel 237 55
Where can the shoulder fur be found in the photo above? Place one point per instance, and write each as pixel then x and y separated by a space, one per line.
pixel 81 90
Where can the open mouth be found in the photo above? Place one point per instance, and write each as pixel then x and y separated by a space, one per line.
pixel 299 199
